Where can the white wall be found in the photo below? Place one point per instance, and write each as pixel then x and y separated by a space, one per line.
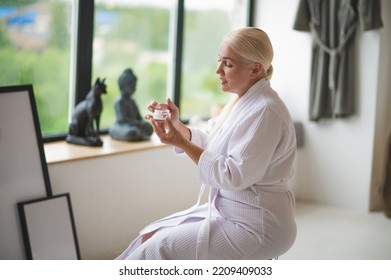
pixel 335 165
pixel 114 197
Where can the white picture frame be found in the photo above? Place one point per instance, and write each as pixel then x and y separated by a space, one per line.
pixel 48 228
pixel 23 168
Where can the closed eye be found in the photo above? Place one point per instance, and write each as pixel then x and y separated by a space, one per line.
pixel 225 62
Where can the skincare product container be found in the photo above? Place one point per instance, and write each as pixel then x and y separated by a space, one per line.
pixel 160 114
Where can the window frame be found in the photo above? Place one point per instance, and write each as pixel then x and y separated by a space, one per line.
pixel 84 53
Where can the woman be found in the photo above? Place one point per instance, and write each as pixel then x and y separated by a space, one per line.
pixel 245 158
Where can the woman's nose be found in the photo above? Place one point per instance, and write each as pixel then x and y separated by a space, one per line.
pixel 218 68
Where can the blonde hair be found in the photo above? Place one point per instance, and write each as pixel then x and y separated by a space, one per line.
pixel 254 45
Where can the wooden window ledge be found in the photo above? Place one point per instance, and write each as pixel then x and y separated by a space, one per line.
pixel 61 151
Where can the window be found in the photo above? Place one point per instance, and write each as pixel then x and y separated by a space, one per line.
pixel 35 48
pixel 205 24
pixel 132 34
pixel 63 46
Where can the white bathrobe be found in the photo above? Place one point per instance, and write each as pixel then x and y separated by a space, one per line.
pixel 247 168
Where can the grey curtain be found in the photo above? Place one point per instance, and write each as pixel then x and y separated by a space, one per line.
pixel 333 24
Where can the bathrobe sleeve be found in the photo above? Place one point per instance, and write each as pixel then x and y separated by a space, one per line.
pixel 198 135
pixel 256 146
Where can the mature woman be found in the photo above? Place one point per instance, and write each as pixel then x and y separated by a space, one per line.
pixel 244 159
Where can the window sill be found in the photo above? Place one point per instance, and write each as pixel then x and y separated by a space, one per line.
pixel 61 151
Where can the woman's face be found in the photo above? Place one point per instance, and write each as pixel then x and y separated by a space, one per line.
pixel 235 73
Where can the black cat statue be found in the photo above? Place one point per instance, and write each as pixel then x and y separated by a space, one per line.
pixel 88 111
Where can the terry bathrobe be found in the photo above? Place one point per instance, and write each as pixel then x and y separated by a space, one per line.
pixel 246 168
pixel 333 24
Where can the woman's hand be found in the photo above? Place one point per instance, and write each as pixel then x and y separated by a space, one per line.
pixel 151 107
pixel 174 111
pixel 172 131
pixel 174 120
pixel 168 133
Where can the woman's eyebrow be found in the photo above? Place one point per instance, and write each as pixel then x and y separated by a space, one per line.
pixel 227 58
pixel 224 57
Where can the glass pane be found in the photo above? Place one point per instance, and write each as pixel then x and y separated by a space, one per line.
pixel 206 22
pixel 132 34
pixel 35 49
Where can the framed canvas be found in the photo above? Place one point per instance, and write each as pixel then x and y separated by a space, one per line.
pixel 23 168
pixel 48 228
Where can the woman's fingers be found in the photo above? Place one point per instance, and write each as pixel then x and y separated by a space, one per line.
pixel 151 107
pixel 166 131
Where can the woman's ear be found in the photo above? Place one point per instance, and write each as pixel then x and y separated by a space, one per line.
pixel 256 70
